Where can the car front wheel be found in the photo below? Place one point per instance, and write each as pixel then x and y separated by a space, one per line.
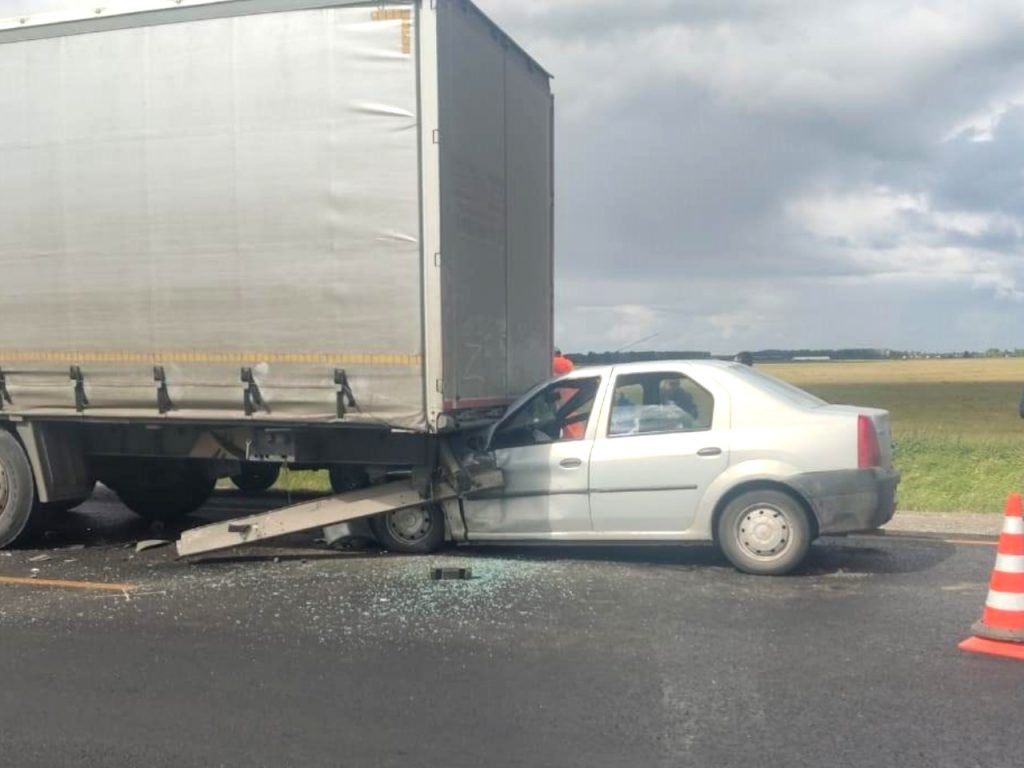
pixel 418 530
pixel 764 532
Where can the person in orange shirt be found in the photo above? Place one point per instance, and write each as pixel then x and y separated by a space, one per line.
pixel 561 364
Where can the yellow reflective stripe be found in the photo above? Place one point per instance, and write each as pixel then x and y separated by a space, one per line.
pixel 237 358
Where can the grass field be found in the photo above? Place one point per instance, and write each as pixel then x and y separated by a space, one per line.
pixel 959 440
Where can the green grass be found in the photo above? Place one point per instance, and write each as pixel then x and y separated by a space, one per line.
pixel 974 410
pixel 305 480
pixel 957 475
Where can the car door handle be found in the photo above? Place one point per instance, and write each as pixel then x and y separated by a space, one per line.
pixel 571 463
pixel 710 451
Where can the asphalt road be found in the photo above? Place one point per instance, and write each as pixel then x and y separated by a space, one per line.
pixel 300 656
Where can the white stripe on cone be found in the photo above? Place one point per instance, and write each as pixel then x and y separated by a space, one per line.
pixel 1013 525
pixel 1005 601
pixel 1010 563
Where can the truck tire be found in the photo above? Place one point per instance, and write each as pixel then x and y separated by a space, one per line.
pixel 764 532
pixel 167 492
pixel 256 477
pixel 415 531
pixel 17 490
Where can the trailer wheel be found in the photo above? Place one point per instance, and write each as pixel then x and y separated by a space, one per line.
pixel 256 477
pixel 415 531
pixel 17 492
pixel 167 492
pixel 348 477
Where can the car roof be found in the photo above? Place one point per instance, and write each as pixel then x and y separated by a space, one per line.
pixel 652 366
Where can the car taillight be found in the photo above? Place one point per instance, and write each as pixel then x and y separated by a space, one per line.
pixel 868 453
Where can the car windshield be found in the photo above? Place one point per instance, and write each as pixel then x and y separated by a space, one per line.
pixel 777 387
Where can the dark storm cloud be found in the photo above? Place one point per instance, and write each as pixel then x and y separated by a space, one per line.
pixel 785 173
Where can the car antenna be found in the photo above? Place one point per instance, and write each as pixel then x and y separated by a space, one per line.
pixel 634 343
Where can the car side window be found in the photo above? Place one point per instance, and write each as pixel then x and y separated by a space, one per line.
pixel 557 413
pixel 653 403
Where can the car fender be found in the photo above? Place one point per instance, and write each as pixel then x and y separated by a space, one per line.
pixel 745 472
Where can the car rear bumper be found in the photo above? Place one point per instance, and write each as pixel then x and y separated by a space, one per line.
pixel 845 501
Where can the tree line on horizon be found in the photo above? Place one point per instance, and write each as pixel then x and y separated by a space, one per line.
pixel 780 355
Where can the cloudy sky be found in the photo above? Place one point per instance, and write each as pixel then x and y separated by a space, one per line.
pixel 782 173
pixel 785 172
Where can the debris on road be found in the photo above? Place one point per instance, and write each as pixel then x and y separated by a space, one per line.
pixel 442 574
pixel 145 544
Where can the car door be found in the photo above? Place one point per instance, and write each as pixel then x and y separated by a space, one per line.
pixel 663 440
pixel 543 448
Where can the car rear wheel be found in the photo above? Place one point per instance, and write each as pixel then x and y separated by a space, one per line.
pixel 418 530
pixel 16 489
pixel 764 532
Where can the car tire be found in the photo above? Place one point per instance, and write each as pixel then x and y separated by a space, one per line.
pixel 414 531
pixel 166 493
pixel 17 490
pixel 256 477
pixel 765 532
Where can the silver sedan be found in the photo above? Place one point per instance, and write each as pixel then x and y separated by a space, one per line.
pixel 684 451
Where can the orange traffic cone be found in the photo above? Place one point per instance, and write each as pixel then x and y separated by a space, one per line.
pixel 1001 629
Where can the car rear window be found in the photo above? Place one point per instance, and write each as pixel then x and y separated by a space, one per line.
pixel 777 387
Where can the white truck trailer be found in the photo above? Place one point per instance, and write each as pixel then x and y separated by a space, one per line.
pixel 241 233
